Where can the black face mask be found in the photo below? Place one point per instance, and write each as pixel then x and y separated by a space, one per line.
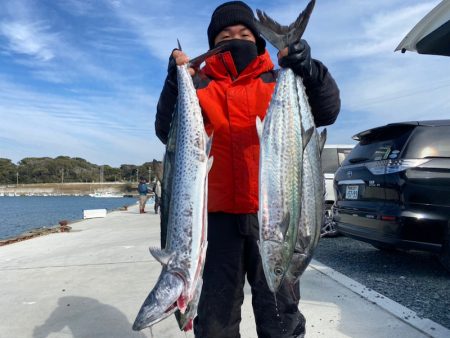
pixel 242 51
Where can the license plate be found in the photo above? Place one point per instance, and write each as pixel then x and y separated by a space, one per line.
pixel 351 192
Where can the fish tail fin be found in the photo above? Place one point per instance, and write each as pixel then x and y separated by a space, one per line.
pixel 282 36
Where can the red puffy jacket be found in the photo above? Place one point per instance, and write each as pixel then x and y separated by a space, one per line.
pixel 230 105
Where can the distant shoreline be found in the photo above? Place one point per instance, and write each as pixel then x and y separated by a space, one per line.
pixel 70 189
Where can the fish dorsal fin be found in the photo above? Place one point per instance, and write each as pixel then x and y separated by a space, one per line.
pixel 162 255
pixel 306 136
pixel 323 139
pixel 282 36
pixel 259 127
pixel 284 225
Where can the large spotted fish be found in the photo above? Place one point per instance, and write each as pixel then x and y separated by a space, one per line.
pixel 311 218
pixel 180 282
pixel 283 138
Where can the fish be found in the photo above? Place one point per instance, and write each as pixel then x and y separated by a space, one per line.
pixel 179 284
pixel 169 155
pixel 313 195
pixel 283 140
pixel 280 179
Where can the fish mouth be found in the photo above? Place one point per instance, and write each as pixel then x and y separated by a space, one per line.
pixel 161 302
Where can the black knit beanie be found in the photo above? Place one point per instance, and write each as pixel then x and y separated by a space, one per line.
pixel 234 13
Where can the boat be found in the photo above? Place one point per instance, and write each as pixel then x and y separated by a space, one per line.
pixel 105 194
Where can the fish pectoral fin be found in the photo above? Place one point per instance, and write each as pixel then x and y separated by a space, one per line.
pixel 323 139
pixel 306 136
pixel 210 163
pixel 259 127
pixel 284 225
pixel 162 255
pixel 208 142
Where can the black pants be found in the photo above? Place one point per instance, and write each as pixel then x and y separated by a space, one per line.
pixel 233 253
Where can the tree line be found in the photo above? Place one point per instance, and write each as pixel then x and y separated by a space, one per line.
pixel 65 169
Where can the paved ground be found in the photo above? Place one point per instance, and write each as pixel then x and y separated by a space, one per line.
pixel 91 282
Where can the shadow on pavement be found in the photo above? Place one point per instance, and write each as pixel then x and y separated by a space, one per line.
pixel 85 318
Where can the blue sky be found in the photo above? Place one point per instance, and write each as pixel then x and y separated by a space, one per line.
pixel 82 77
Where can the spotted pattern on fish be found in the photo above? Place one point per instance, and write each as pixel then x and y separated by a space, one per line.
pixel 184 254
pixel 312 195
pixel 280 178
pixel 187 226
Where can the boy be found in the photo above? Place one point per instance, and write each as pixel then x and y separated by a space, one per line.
pixel 233 88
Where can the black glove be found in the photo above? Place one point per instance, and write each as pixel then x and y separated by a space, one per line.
pixel 299 60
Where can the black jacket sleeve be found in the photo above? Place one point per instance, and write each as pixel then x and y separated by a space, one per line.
pixel 165 109
pixel 321 88
pixel 323 96
pixel 167 102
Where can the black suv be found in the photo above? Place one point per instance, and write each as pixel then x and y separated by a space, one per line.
pixel 393 189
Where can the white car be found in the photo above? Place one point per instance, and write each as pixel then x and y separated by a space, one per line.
pixel 332 157
pixel 431 35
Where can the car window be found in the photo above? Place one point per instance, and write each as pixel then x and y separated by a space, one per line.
pixel 330 162
pixel 379 144
pixel 429 142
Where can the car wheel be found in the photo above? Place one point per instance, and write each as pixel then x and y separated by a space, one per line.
pixel 444 256
pixel 329 225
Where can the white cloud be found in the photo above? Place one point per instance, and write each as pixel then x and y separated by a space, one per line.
pixel 105 62
pixel 29 38
pixel 102 128
pixel 160 23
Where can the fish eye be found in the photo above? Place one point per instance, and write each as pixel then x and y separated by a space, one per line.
pixel 278 271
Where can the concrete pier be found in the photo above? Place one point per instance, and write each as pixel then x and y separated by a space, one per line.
pixel 90 283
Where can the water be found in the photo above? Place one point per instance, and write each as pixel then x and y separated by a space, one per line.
pixel 24 213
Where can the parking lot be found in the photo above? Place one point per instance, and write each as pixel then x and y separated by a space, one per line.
pixel 414 279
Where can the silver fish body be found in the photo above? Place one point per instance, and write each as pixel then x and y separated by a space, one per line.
pixel 311 217
pixel 280 179
pixel 183 257
pixel 300 234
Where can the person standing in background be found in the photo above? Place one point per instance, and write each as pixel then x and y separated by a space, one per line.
pixel 157 192
pixel 143 194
